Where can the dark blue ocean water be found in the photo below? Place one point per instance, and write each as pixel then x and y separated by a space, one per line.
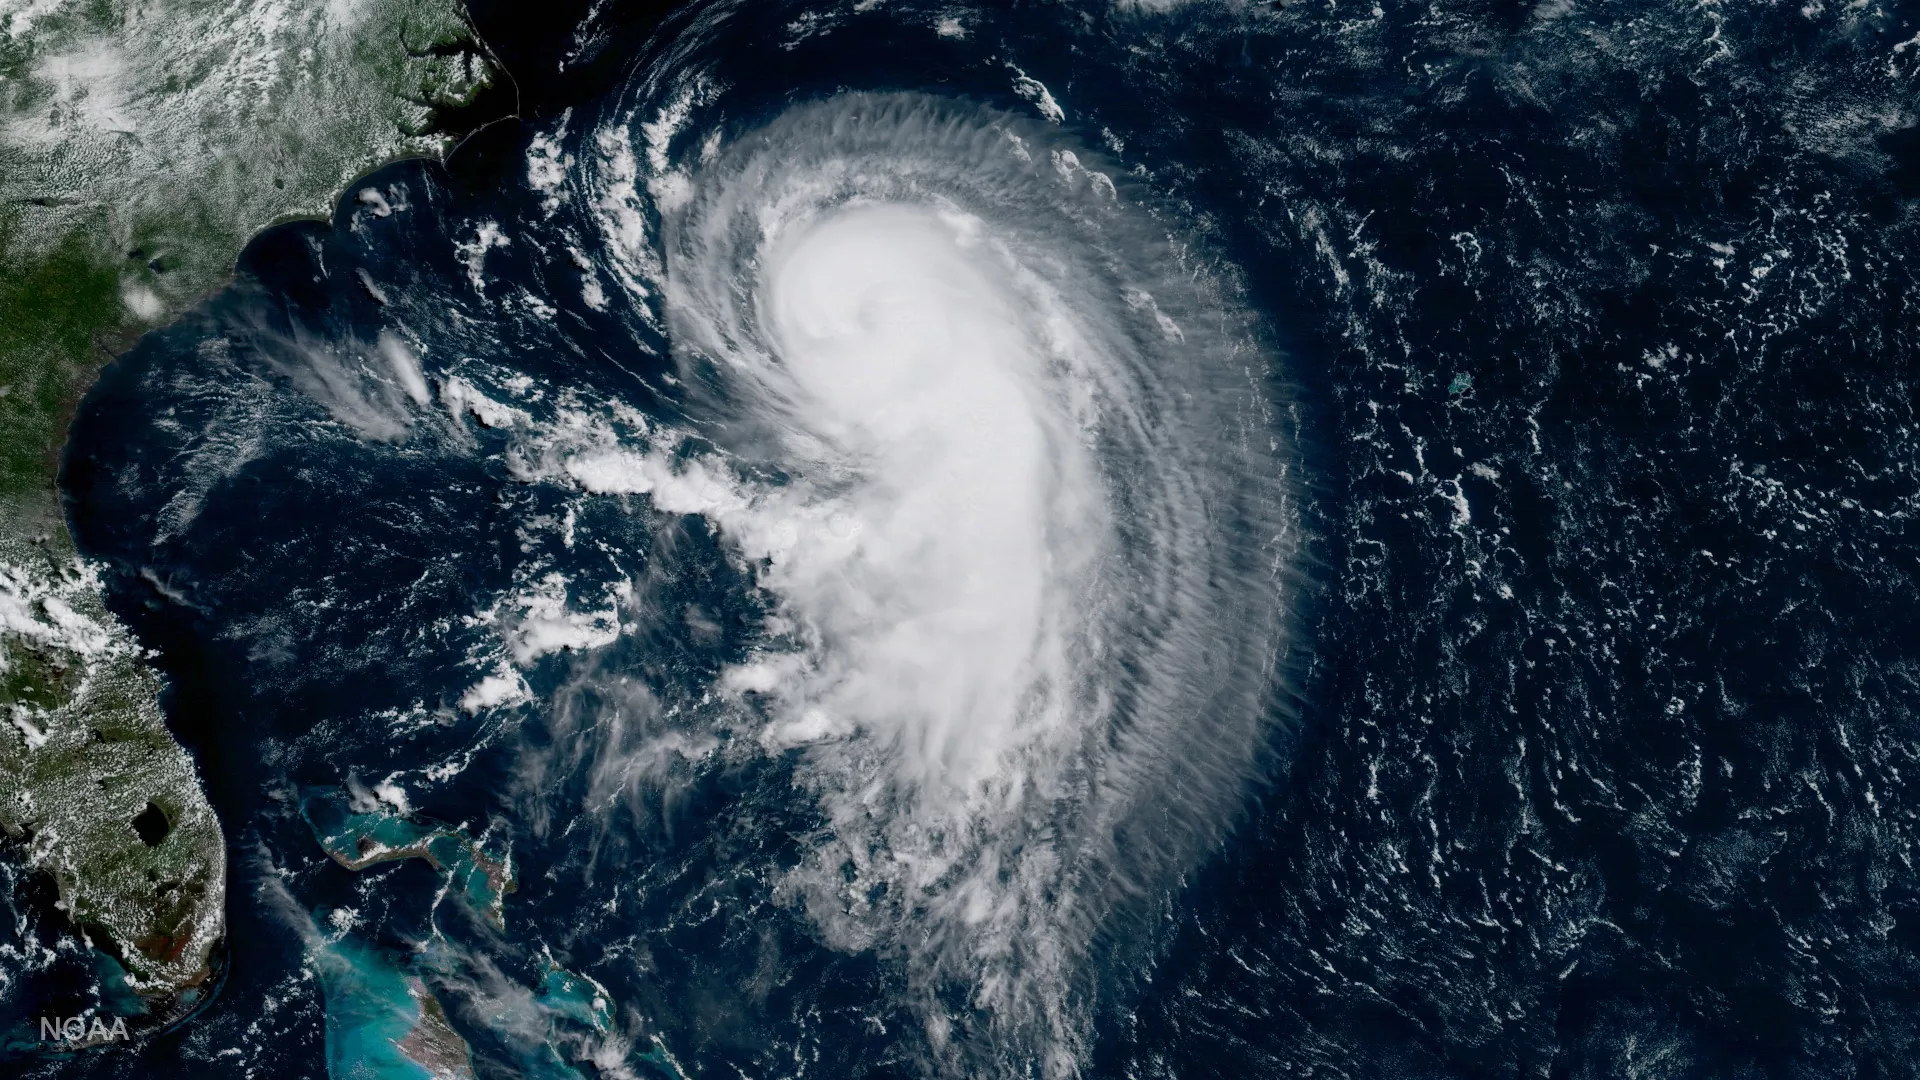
pixel 1599 360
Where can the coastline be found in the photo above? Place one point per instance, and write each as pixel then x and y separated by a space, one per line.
pixel 85 274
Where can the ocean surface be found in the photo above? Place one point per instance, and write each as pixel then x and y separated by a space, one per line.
pixel 1070 539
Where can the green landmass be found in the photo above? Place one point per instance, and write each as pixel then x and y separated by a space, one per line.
pixel 142 143
pixel 92 787
pixel 51 308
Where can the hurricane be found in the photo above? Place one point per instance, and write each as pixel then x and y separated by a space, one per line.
pixel 1096 539
pixel 874 505
pixel 1025 546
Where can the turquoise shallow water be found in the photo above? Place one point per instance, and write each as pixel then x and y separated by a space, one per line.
pixel 477 870
pixel 1603 328
pixel 375 1000
pixel 370 1010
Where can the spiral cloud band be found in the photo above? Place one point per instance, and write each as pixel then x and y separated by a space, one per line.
pixel 1025 541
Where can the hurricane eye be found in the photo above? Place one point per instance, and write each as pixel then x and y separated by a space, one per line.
pixel 999 406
